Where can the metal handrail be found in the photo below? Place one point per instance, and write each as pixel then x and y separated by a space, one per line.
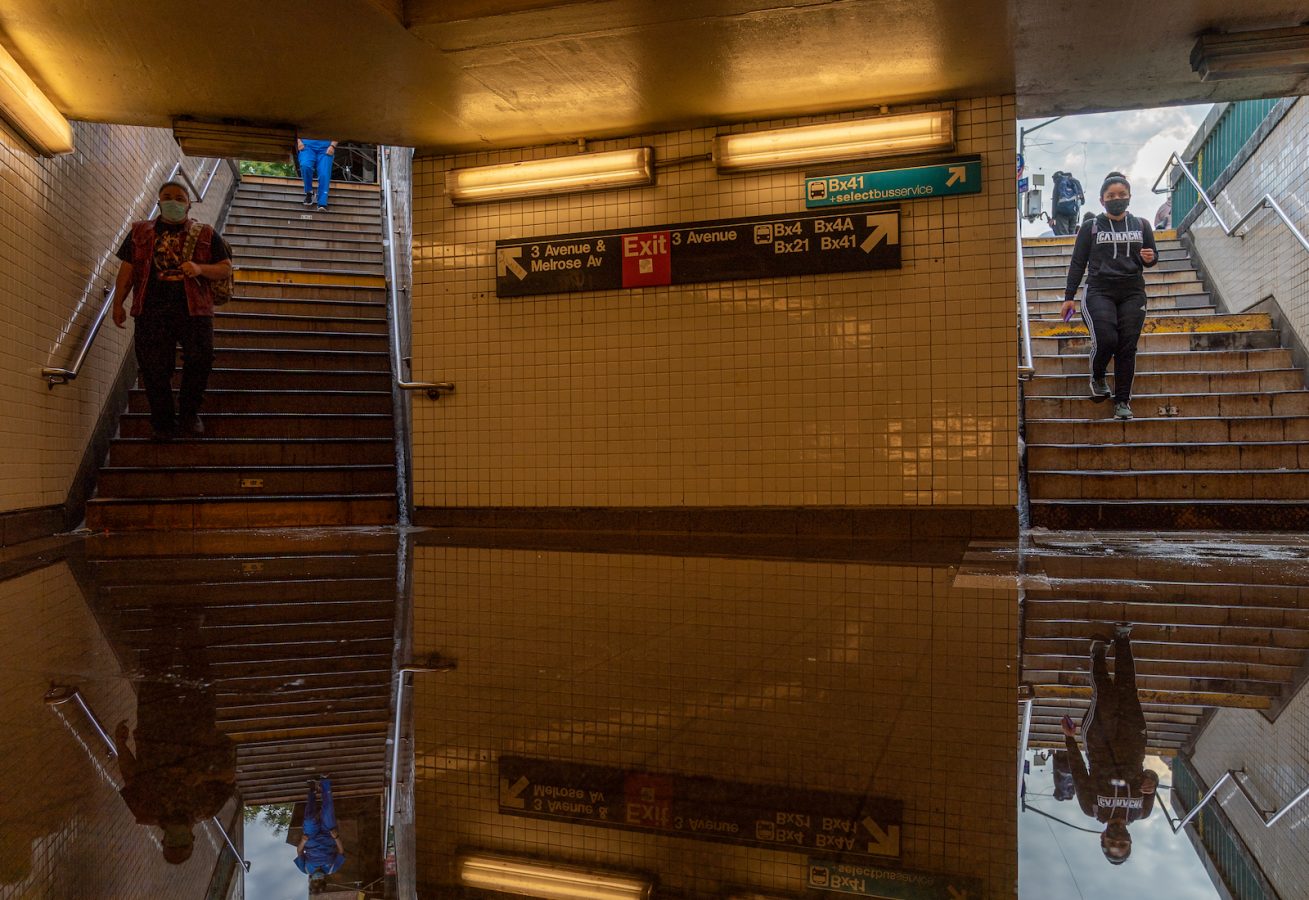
pixel 60 694
pixel 433 389
pixel 1239 778
pixel 55 375
pixel 1265 202
pixel 1025 367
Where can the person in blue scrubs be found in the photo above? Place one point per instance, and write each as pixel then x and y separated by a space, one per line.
pixel 319 853
pixel 316 159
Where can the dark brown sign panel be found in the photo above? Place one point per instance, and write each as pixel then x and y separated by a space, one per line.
pixel 702 808
pixel 724 250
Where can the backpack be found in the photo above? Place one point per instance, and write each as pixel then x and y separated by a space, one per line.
pixel 1065 196
pixel 221 289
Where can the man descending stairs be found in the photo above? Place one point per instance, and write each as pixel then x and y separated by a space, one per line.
pixel 298 415
pixel 1222 414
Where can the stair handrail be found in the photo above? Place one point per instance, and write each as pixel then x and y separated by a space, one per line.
pixel 1025 368
pixel 433 389
pixel 1267 201
pixel 56 375
pixel 1238 777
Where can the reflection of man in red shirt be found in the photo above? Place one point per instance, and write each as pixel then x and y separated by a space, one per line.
pixel 1116 789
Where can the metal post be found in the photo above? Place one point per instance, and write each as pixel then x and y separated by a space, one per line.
pixel 1022 745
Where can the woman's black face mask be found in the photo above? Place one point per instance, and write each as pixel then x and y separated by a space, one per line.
pixel 1116 207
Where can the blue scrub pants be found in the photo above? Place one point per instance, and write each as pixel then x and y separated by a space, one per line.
pixel 315 160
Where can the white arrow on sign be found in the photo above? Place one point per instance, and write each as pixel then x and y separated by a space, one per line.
pixel 884 226
pixel 958 175
pixel 884 843
pixel 955 893
pixel 513 796
pixel 506 260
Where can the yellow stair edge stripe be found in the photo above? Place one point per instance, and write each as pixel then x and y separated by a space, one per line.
pixel 296 180
pixel 282 276
pixel 1172 698
pixel 1169 234
pixel 1167 325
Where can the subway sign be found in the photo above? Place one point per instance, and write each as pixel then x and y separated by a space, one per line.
pixel 926 182
pixel 802 243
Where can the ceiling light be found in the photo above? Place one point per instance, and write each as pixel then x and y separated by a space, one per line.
pixel 226 140
pixel 561 175
pixel 836 141
pixel 1246 54
pixel 31 112
pixel 510 875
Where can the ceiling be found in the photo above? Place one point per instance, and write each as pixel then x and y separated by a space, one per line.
pixel 462 74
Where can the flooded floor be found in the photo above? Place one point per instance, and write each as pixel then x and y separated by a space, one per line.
pixel 626 715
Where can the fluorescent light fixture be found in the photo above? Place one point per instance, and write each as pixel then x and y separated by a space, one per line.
pixel 562 175
pixel 226 140
pixel 836 141
pixel 511 875
pixel 31 112
pixel 1247 54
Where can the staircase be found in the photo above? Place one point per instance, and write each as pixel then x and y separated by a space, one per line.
pixel 1222 414
pixel 298 415
pixel 1208 632
pixel 298 638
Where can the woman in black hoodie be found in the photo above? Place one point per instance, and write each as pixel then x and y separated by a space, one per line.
pixel 1115 248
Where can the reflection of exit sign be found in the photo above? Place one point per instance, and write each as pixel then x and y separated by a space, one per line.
pixel 926 182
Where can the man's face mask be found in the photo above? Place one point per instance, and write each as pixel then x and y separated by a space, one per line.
pixel 1116 207
pixel 172 210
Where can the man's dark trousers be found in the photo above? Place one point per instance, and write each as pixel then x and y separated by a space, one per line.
pixel 159 331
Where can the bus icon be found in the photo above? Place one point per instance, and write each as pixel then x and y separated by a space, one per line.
pixel 818 189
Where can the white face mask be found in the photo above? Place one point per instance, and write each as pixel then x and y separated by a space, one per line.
pixel 173 210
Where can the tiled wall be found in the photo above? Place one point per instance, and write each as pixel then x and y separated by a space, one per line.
pixel 61 221
pixel 1276 757
pixel 869 680
pixel 1267 261
pixel 64 830
pixel 868 389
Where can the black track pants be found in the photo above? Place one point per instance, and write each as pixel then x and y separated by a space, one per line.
pixel 1114 316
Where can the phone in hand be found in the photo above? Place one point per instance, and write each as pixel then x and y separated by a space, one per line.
pixel 1068 315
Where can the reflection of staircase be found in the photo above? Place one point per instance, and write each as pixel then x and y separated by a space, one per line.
pixel 1221 414
pixel 1206 633
pixel 298 416
pixel 299 637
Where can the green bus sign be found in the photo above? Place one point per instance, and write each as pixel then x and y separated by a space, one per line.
pixel 890 884
pixel 945 179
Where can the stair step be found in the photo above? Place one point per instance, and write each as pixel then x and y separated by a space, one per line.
pixel 1164 324
pixel 245 481
pixel 1162 683
pixel 1190 303
pixel 1180 346
pixel 1176 360
pixel 313 234
pixel 1164 457
pixel 234 318
pixel 255 237
pixel 1051 266
pixel 293 204
pixel 1205 430
pixel 1189 515
pixel 1077 385
pixel 253 253
pixel 343 221
pixel 244 622
pixel 252 378
pixel 211 451
pixel 1149 406
pixel 167 513
pixel 191 570
pixel 282 401
pixel 1094 611
pixel 301 311
pixel 263 289
pixel 288 182
pixel 309 266
pixel 266 338
pixel 322 360
pixel 274 425
pixel 1174 652
pixel 1223 484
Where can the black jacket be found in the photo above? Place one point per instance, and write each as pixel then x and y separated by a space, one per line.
pixel 1111 253
pixel 1114 780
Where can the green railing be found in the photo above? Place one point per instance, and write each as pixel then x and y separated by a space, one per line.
pixel 1238 122
pixel 1226 850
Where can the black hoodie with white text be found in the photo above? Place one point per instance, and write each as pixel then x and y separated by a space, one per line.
pixel 1109 254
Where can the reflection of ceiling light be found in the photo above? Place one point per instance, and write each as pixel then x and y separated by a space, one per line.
pixel 561 175
pixel 510 875
pixel 1246 54
pixel 223 140
pixel 30 111
pixel 836 141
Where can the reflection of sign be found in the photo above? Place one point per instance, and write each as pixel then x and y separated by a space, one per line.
pixel 702 808
pixel 961 176
pixel 1023 184
pixel 890 884
pixel 753 247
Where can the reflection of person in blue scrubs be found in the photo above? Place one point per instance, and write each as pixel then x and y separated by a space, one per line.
pixel 316 159
pixel 319 852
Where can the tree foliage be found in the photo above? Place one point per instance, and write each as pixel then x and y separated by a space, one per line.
pixel 283 169
pixel 277 818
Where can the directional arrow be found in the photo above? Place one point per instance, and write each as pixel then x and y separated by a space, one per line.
pixel 884 843
pixel 513 796
pixel 883 226
pixel 506 260
pixel 958 175
pixel 956 893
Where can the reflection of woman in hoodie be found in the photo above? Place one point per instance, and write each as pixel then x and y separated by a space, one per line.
pixel 1115 248
pixel 1117 789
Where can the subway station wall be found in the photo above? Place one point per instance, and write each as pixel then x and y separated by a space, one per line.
pixel 887 388
pixel 61 221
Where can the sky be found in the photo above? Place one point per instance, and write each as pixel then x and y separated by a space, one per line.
pixel 1056 862
pixel 273 875
pixel 1136 143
